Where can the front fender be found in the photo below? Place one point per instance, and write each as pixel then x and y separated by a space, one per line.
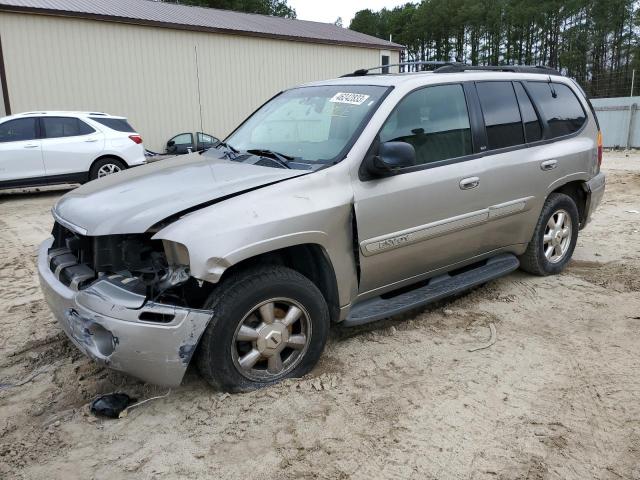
pixel 314 209
pixel 216 266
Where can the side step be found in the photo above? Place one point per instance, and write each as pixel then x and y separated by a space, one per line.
pixel 438 288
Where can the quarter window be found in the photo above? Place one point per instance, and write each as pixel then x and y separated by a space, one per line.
pixel 559 106
pixel 501 114
pixel 435 121
pixel 532 127
pixel 117 124
pixel 19 130
pixel 60 127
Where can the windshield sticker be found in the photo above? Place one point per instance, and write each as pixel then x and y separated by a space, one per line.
pixel 349 98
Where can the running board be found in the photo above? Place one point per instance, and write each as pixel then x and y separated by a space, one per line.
pixel 438 288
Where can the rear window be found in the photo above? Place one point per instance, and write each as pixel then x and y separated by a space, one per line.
pixel 501 114
pixel 559 106
pixel 117 124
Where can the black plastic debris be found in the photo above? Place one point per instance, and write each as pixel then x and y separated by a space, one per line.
pixel 111 404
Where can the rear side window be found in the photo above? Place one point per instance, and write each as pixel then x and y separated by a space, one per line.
pixel 559 106
pixel 435 121
pixel 59 127
pixel 117 124
pixel 501 114
pixel 19 130
pixel 532 126
pixel 206 139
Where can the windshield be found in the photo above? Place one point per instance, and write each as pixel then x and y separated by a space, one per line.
pixel 309 124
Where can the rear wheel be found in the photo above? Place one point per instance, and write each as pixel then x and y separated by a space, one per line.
pixel 106 166
pixel 269 323
pixel 554 238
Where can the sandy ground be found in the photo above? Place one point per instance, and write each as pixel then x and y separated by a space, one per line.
pixel 558 395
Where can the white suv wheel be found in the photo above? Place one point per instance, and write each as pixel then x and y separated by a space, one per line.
pixel 108 169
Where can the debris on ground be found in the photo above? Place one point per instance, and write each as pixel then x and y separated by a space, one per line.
pixel 491 341
pixel 125 412
pixel 111 405
pixel 40 371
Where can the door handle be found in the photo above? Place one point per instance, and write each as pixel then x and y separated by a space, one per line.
pixel 469 183
pixel 31 145
pixel 91 140
pixel 549 165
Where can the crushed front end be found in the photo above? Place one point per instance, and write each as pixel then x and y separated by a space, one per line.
pixel 126 301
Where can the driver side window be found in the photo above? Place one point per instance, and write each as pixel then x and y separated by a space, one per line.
pixel 183 139
pixel 435 121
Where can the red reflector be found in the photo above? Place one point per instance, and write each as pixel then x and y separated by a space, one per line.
pixel 136 139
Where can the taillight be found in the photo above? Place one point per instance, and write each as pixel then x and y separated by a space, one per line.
pixel 599 148
pixel 136 139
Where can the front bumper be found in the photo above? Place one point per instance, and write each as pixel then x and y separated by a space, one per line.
pixel 103 321
pixel 595 192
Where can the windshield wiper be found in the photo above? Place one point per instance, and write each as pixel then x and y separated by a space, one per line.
pixel 227 146
pixel 231 153
pixel 280 157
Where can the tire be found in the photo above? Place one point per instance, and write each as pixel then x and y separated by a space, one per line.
pixel 536 260
pixel 108 163
pixel 240 327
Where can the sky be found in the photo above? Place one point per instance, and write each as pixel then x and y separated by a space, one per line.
pixel 329 10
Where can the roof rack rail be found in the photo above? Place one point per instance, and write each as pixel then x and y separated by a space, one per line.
pixel 461 67
pixel 365 71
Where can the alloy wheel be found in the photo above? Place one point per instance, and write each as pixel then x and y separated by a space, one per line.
pixel 108 169
pixel 271 340
pixel 557 236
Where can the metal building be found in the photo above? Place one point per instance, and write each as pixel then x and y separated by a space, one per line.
pixel 618 121
pixel 168 68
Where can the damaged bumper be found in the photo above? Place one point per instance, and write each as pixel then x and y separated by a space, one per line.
pixel 121 330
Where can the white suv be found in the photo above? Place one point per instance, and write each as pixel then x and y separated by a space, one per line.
pixel 44 148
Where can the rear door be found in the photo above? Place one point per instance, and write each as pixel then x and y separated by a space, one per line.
pixel 431 215
pixel 511 127
pixel 69 145
pixel 525 153
pixel 20 151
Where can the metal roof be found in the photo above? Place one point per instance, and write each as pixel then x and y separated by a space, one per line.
pixel 153 13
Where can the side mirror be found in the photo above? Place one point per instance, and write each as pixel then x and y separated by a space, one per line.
pixel 392 156
pixel 171 143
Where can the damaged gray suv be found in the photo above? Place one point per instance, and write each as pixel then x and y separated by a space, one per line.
pixel 348 200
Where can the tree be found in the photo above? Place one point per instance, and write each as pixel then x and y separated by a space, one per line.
pixel 595 41
pixel 278 8
pixel 366 21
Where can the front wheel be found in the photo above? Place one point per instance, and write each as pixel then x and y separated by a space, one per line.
pixel 268 324
pixel 554 238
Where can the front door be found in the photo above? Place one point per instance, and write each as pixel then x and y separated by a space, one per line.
pixel 20 152
pixel 431 215
pixel 181 144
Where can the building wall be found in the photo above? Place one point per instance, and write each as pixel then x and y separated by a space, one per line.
pixel 151 76
pixel 619 121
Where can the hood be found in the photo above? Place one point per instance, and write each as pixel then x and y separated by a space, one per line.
pixel 134 200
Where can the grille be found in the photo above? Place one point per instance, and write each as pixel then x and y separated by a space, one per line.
pixel 71 258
